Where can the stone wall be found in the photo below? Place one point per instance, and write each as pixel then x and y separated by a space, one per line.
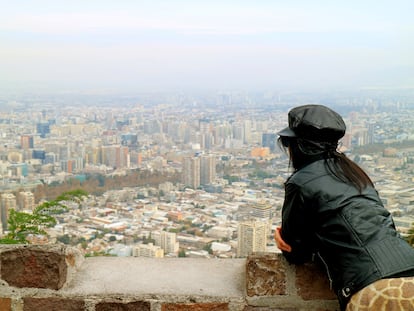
pixel 58 278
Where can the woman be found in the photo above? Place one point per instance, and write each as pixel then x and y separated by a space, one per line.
pixel 332 212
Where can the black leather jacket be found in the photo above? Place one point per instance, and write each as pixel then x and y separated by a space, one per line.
pixel 351 232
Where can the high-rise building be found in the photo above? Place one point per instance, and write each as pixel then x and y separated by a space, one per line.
pixel 116 156
pixel 129 139
pixel 93 155
pixel 252 237
pixel 152 126
pixel 371 132
pixel 206 133
pixel 50 158
pixel 346 141
pixel 148 250
pixel 72 165
pixel 205 125
pixel 269 140
pixel 207 169
pixel 238 131
pixel 167 241
pixel 206 140
pixel 247 129
pixel 43 129
pixel 260 210
pixel 26 142
pixel 39 154
pixel 26 201
pixel 191 172
pixel 7 202
pixel 68 166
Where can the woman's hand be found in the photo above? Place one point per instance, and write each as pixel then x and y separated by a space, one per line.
pixel 282 245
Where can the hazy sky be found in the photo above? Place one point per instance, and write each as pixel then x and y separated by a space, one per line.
pixel 224 45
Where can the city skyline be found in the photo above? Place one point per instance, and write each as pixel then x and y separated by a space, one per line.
pixel 187 45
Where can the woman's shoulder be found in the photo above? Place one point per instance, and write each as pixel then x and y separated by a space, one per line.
pixel 310 171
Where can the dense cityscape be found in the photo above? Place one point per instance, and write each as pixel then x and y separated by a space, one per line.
pixel 184 175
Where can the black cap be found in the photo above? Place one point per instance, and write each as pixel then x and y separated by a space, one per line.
pixel 314 122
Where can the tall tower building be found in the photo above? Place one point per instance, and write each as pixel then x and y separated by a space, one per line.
pixel 7 202
pixel 94 155
pixel 43 129
pixel 206 136
pixel 269 140
pixel 26 201
pixel 116 156
pixel 207 169
pixel 205 126
pixel 238 131
pixel 167 241
pixel 371 132
pixel 347 140
pixel 259 211
pixel 68 166
pixel 26 142
pixel 247 128
pixel 252 237
pixel 191 172
pixel 262 210
pixel 129 139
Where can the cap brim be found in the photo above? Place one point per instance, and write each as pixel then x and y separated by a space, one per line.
pixel 287 132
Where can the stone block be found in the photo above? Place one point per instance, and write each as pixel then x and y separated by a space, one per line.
pixel 53 304
pixel 265 275
pixel 5 304
pixel 33 267
pixel 117 306
pixel 195 307
pixel 312 283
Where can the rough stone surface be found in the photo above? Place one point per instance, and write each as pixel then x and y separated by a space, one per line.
pixel 195 307
pixel 265 275
pixel 74 260
pixel 312 283
pixel 5 304
pixel 130 306
pixel 140 276
pixel 33 267
pixel 263 282
pixel 53 304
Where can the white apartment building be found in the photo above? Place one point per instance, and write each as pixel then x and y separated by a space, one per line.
pixel 207 169
pixel 7 202
pixel 167 241
pixel 191 172
pixel 252 237
pixel 26 201
pixel 148 250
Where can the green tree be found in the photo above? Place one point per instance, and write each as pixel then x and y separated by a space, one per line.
pixel 84 244
pixel 65 239
pixel 148 239
pixel 74 195
pixel 208 248
pixel 181 253
pixel 21 224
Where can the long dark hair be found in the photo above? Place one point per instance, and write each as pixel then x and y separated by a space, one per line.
pixel 302 152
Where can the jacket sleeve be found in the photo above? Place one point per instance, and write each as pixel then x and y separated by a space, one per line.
pixel 296 225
